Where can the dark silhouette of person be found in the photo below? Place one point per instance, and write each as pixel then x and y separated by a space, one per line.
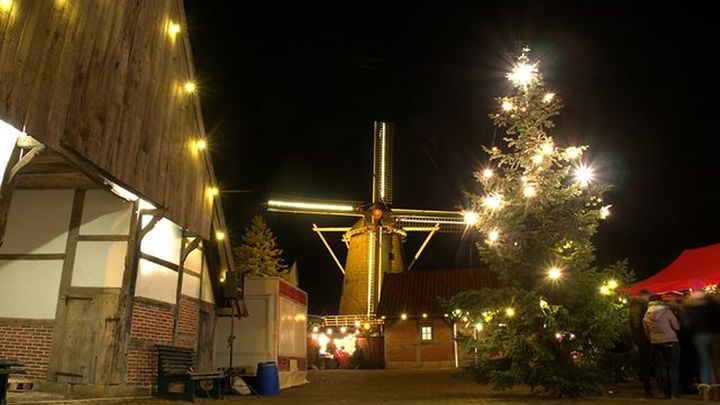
pixel 703 316
pixel 661 326
pixel 643 362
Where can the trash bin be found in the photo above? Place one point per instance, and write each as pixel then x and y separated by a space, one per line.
pixel 268 382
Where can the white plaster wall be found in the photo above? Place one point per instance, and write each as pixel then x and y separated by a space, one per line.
pixel 163 241
pixel 8 139
pixel 104 213
pixel 207 291
pixel 292 329
pixel 156 282
pixel 99 264
pixel 191 285
pixel 194 261
pixel 38 221
pixel 29 288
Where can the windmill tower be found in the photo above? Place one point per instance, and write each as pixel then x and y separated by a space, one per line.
pixel 375 240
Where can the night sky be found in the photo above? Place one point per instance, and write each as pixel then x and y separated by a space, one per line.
pixel 289 93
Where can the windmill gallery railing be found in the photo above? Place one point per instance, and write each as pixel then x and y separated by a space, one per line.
pixel 358 321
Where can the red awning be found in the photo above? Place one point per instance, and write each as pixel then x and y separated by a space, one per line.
pixel 692 267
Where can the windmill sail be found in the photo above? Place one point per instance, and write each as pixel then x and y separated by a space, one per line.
pixel 415 219
pixel 375 240
pixel 383 134
pixel 297 206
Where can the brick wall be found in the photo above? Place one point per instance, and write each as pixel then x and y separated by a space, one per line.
pixel 188 318
pixel 401 339
pixel 152 324
pixel 441 348
pixel 28 342
pixel 403 344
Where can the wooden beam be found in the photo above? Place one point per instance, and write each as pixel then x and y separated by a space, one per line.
pixel 156 217
pixel 127 298
pixel 185 250
pixel 422 247
pixel 32 256
pixel 103 238
pixel 74 180
pixel 59 332
pixel 6 192
pixel 26 141
pixel 126 301
pixel 24 160
pixel 192 245
pixel 322 238
pixel 161 262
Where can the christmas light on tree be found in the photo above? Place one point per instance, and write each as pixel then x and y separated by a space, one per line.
pixel 547 200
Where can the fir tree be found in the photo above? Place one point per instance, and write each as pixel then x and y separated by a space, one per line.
pixel 559 317
pixel 258 253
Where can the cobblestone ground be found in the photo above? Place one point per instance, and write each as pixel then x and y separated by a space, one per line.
pixel 387 387
pixel 418 387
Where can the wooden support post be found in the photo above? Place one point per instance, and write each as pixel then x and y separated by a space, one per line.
pixel 24 160
pixel 59 333
pixel 6 191
pixel 419 252
pixel 184 252
pixel 127 294
pixel 322 238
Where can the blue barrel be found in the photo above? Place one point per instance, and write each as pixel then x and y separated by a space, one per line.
pixel 268 382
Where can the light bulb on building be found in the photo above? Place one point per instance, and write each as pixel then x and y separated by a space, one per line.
pixel 190 87
pixel 173 29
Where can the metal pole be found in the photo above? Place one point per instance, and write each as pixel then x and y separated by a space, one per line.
pixel 231 338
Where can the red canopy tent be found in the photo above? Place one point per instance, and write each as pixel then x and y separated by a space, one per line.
pixel 689 269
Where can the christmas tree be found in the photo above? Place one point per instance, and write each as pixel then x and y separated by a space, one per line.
pixel 258 253
pixel 558 319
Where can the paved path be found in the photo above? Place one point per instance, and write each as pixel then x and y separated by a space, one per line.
pixel 389 387
pixel 430 386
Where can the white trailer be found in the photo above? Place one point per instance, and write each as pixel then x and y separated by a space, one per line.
pixel 275 330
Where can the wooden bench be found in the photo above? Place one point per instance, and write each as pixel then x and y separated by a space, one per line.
pixel 176 365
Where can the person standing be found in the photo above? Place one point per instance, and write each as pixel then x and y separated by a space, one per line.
pixel 661 327
pixel 643 357
pixel 704 319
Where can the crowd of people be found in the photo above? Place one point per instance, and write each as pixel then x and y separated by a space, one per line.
pixel 677 340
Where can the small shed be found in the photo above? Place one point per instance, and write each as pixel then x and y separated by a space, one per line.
pixel 418 333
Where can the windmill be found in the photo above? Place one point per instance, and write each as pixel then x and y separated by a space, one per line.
pixel 374 241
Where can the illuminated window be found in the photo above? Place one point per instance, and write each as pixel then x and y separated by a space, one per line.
pixel 426 333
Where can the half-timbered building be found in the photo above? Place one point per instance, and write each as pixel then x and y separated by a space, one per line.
pixel 112 233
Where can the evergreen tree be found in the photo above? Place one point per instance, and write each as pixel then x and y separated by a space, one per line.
pixel 258 253
pixel 559 317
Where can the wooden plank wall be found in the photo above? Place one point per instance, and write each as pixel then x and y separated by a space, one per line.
pixel 104 79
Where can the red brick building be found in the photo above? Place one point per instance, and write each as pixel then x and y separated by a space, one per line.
pixel 417 331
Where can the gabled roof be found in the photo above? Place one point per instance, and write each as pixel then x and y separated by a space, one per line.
pixel 418 292
pixel 101 84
